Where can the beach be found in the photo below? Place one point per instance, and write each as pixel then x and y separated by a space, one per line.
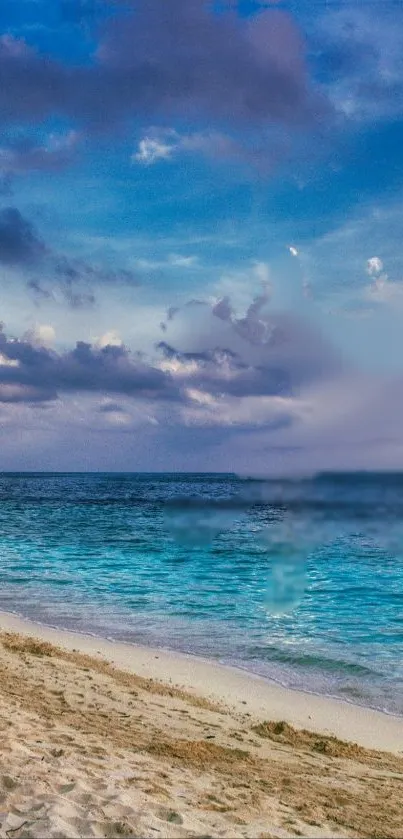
pixel 109 739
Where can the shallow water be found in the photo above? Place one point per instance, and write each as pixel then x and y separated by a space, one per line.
pixel 298 581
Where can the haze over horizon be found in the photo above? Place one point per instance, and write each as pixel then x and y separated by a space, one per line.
pixel 200 236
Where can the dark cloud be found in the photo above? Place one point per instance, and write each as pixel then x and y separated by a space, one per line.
pixel 222 372
pixel 39 293
pixel 71 273
pixel 33 86
pixel 23 153
pixel 214 359
pixel 181 56
pixel 175 57
pixel 223 309
pixel 17 394
pixel 19 242
pixel 71 270
pixel 21 246
pixel 76 299
pixel 111 408
pixel 29 372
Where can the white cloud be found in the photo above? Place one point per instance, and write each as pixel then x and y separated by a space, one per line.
pixel 174 260
pixel 42 334
pixel 182 261
pixel 248 411
pixel 164 144
pixel 201 397
pixel 374 266
pixel 178 367
pixel 8 362
pixel 108 339
pixel 152 151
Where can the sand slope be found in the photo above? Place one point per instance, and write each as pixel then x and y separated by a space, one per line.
pixel 238 690
pixel 90 750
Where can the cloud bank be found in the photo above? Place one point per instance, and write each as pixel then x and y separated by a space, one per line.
pixel 49 271
pixel 260 394
pixel 154 59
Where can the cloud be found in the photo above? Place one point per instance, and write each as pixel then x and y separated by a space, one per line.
pixel 152 151
pixel 23 154
pixel 261 393
pixel 72 278
pixel 31 371
pixel 236 285
pixel 8 362
pixel 41 335
pixel 212 356
pixel 374 266
pixel 108 407
pixel 165 145
pixel 109 339
pixel 358 50
pixel 124 416
pixel 180 261
pixel 382 289
pixel 354 423
pixel 15 393
pixel 351 422
pixel 19 242
pixel 247 412
pixel 157 60
pixel 262 353
pixel 39 293
pixel 336 265
pixel 255 70
pixel 174 260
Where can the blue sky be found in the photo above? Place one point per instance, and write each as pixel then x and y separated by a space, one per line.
pixel 200 235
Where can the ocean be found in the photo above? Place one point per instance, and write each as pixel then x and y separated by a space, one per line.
pixel 299 581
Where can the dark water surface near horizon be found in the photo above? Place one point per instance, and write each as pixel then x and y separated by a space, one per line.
pixel 298 581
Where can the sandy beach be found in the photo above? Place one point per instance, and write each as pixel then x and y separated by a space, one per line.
pixel 107 739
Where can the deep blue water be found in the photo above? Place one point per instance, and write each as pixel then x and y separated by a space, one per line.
pixel 297 581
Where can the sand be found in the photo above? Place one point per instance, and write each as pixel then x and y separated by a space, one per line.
pixel 104 739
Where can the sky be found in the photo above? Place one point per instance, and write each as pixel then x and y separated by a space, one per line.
pixel 201 209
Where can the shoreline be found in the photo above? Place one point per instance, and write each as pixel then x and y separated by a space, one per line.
pixel 243 692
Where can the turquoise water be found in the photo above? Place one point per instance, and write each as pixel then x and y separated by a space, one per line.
pixel 301 582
